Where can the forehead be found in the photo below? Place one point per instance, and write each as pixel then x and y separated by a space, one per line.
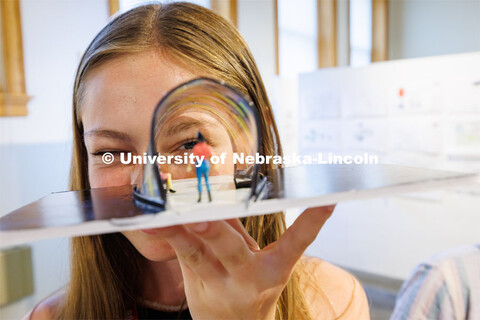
pixel 123 92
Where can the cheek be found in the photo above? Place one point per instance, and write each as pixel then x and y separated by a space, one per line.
pixel 120 175
pixel 179 171
pixel 226 166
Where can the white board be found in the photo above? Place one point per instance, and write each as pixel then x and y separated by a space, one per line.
pixel 107 210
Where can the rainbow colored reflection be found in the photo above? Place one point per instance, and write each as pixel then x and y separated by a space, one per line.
pixel 227 119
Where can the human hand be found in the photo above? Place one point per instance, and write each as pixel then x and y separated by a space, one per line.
pixel 227 276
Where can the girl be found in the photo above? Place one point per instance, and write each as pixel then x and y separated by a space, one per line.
pixel 250 268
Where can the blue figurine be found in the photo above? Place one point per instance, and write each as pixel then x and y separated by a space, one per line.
pixel 202 149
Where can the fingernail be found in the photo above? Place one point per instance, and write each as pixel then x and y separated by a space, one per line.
pixel 199 227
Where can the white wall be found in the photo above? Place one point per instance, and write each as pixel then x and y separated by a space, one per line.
pixel 420 28
pixel 55 33
pixel 35 150
pixel 256 24
pixel 389 236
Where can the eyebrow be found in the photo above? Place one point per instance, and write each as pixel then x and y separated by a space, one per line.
pixel 111 134
pixel 185 125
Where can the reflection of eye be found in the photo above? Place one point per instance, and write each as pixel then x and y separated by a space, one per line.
pixel 188 145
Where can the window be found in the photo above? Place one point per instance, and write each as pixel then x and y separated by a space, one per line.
pixel 360 32
pixel 13 97
pixel 297 37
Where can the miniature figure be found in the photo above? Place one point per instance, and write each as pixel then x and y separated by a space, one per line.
pixel 167 177
pixel 203 150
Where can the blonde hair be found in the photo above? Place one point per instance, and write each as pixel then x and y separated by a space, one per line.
pixel 104 267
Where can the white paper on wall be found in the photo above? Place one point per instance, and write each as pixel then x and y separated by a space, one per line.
pixel 415 99
pixel 463 138
pixel 318 103
pixel 363 103
pixel 421 135
pixel 320 136
pixel 364 135
pixel 463 97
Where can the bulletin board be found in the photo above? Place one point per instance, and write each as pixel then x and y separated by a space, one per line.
pixel 423 112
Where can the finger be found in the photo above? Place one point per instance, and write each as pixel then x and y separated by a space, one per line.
pixel 193 252
pixel 237 225
pixel 293 243
pixel 226 243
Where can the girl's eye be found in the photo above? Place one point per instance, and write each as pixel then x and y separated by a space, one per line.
pixel 188 145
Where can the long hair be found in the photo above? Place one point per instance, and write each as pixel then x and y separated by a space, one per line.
pixel 104 267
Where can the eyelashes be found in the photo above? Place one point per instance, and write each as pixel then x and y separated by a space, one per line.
pixel 102 152
pixel 189 144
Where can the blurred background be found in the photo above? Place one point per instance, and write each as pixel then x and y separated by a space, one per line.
pixel 396 78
